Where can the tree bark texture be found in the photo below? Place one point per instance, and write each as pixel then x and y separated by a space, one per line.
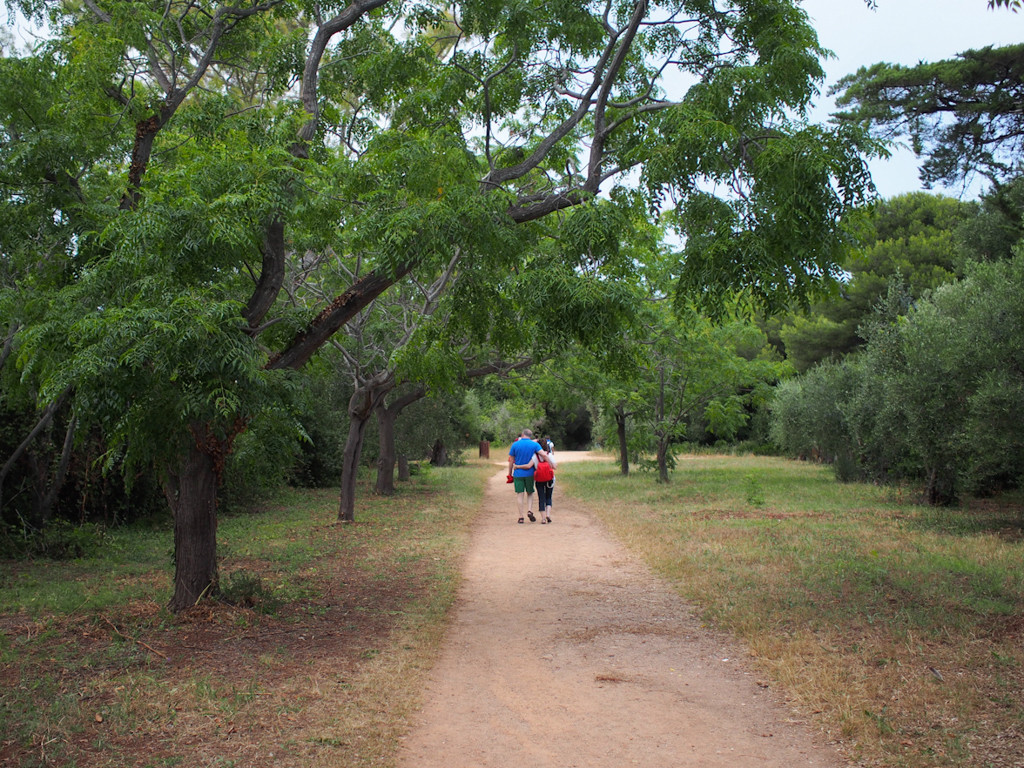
pixel 663 460
pixel 49 499
pixel 192 493
pixel 387 457
pixel 333 317
pixel 387 415
pixel 360 408
pixel 620 429
pixel 271 275
pixel 41 425
pixel 664 438
pixel 439 454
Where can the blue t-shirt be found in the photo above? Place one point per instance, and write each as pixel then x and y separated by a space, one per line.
pixel 522 451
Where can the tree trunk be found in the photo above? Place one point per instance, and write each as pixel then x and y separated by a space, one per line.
pixel 360 408
pixel 359 295
pixel 191 490
pixel 22 449
pixel 350 467
pixel 620 428
pixel 386 460
pixel 664 438
pixel 49 499
pixel 663 460
pixel 386 418
pixel 271 275
pixel 439 454
pixel 939 490
pixel 403 468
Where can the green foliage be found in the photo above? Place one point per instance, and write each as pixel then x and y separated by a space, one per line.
pixel 263 458
pixel 59 540
pixel 501 420
pixel 442 417
pixel 932 399
pixel 961 115
pixel 571 429
pixel 324 419
pixel 248 589
pixel 197 195
pixel 917 237
pixel 998 225
pixel 754 489
pixel 806 420
pixel 702 376
pixel 783 236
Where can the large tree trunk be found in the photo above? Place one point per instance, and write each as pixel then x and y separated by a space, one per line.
pixel 360 408
pixel 387 458
pixel 350 466
pixel 620 428
pixel 191 490
pixel 386 418
pixel 439 454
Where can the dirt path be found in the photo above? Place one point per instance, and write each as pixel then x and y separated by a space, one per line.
pixel 567 652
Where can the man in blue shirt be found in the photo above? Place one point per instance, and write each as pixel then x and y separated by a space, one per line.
pixel 521 466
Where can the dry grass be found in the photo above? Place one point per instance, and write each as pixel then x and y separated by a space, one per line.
pixel 323 667
pixel 895 628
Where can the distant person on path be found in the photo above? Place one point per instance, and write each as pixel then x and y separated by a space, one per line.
pixel 521 461
pixel 544 479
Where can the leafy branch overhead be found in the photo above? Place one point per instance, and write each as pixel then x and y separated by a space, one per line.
pixel 962 115
pixel 180 179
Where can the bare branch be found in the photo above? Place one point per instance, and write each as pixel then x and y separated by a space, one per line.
pixel 98 12
pixel 324 33
pixel 601 131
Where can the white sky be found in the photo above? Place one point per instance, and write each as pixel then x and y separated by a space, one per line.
pixel 905 32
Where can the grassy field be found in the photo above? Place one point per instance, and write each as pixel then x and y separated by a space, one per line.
pixel 317 660
pixel 896 628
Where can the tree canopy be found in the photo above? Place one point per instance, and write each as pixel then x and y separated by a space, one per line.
pixel 915 238
pixel 177 175
pixel 962 115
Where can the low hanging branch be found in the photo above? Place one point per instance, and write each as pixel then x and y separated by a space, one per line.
pixel 346 306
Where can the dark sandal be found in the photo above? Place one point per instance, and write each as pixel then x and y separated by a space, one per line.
pixel 520 521
pixel 532 518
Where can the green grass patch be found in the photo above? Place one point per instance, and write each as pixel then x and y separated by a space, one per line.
pixel 879 616
pixel 316 652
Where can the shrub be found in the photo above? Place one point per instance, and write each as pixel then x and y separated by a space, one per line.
pixel 246 589
pixel 58 540
pixel 934 398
